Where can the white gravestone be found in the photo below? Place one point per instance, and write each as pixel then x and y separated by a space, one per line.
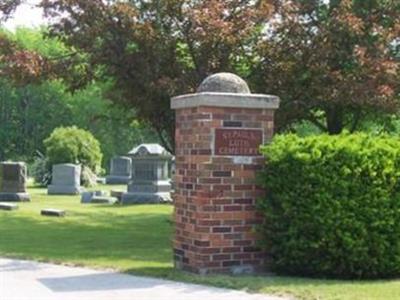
pixel 66 180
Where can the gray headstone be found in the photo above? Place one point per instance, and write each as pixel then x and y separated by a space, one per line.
pixel 117 194
pixel 120 173
pixel 86 197
pixel 8 206
pixel 51 212
pixel 13 182
pixel 65 180
pixel 103 200
pixel 121 166
pixel 101 180
pixel 150 177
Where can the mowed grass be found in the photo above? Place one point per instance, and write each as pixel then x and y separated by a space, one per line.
pixel 112 236
pixel 137 239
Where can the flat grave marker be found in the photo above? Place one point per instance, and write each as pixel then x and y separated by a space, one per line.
pixel 8 206
pixel 103 200
pixel 51 212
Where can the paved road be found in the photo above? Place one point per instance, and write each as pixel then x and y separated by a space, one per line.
pixel 26 280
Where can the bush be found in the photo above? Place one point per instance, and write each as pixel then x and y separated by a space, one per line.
pixel 40 171
pixel 88 178
pixel 333 205
pixel 73 145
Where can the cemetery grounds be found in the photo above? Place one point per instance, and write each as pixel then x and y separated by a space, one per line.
pixel 136 239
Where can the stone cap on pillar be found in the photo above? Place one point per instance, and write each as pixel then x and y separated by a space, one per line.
pixel 225 90
pixel 149 151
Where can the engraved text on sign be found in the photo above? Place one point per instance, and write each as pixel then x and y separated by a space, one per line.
pixel 238 142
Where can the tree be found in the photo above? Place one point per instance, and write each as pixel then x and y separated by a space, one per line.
pixel 73 145
pixel 27 115
pixel 332 62
pixel 29 112
pixel 154 50
pixel 7 7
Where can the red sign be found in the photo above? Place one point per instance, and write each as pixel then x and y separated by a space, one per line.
pixel 238 142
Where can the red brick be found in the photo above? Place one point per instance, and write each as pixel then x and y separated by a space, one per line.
pixel 233 208
pixel 233 236
pixel 231 250
pixel 241 187
pixel 202 243
pixel 221 229
pixel 230 263
pixel 215 198
pixel 222 174
pixel 221 257
pixel 222 187
pixel 244 201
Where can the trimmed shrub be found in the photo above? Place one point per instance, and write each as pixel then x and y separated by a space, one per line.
pixel 333 205
pixel 73 145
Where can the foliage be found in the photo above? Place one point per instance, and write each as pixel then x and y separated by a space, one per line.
pixel 29 113
pixel 304 128
pixel 7 7
pixel 333 205
pixel 88 177
pixel 22 66
pixel 73 145
pixel 151 50
pixel 333 63
pixel 115 127
pixel 40 170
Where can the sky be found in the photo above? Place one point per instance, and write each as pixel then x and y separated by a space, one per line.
pixel 26 15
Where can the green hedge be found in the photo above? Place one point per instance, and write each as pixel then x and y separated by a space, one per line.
pixel 333 205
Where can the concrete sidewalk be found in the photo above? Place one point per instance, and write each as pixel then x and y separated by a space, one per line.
pixel 26 280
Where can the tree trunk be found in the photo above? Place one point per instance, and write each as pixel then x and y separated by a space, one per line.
pixel 334 120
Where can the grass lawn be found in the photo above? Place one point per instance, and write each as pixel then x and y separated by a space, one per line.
pixel 137 239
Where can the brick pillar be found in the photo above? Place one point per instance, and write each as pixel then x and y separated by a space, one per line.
pixel 218 132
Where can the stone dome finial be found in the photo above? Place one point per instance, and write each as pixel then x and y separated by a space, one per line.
pixel 224 83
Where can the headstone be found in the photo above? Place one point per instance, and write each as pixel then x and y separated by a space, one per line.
pixel 86 197
pixel 103 200
pixel 13 182
pixel 121 169
pixel 65 180
pixel 101 180
pixel 150 182
pixel 218 133
pixel 117 194
pixel 8 206
pixel 51 212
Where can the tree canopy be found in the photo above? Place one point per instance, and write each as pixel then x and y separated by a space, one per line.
pixel 29 112
pixel 333 63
